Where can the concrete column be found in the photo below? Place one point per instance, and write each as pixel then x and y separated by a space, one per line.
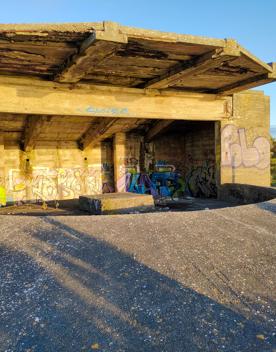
pixel 2 172
pixel 245 141
pixel 119 157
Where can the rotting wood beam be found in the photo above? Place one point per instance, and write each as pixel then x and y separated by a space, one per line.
pixel 99 46
pixel 249 83
pixel 95 133
pixel 33 128
pixel 196 66
pixel 158 128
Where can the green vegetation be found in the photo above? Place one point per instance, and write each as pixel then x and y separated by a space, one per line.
pixel 273 163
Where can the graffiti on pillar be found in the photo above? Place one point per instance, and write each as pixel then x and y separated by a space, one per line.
pixel 2 192
pixel 236 152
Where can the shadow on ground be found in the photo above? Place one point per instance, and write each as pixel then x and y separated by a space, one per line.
pixel 71 207
pixel 67 291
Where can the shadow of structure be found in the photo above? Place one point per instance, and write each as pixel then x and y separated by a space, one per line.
pixel 67 291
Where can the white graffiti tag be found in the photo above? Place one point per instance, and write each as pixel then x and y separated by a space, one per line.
pixel 235 151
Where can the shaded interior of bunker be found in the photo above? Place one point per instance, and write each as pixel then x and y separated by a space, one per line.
pixel 177 164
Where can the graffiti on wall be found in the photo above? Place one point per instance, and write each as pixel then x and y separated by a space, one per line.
pixel 45 184
pixel 236 152
pixel 2 192
pixel 168 181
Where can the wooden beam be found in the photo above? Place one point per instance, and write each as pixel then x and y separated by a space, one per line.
pixel 96 133
pixel 38 97
pixel 158 128
pixel 96 48
pixel 196 66
pixel 249 83
pixel 33 128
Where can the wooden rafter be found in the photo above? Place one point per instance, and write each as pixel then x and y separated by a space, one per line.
pixel 249 83
pixel 196 66
pixel 158 128
pixel 33 128
pixel 99 46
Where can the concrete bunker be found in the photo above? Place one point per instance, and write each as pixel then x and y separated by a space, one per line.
pixel 100 108
pixel 164 158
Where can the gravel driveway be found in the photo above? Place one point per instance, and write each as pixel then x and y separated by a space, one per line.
pixel 175 281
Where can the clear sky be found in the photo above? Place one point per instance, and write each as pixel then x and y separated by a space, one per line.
pixel 251 22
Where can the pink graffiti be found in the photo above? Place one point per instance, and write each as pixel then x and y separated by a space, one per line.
pixel 235 151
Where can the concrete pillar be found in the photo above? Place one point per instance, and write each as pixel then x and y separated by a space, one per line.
pixel 245 141
pixel 2 172
pixel 119 157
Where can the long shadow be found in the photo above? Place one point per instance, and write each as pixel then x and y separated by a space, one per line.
pixel 67 291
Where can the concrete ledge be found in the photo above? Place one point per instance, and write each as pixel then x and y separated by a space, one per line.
pixel 245 194
pixel 112 203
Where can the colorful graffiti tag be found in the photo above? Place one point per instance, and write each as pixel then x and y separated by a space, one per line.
pixel 167 181
pixel 46 184
pixel 237 153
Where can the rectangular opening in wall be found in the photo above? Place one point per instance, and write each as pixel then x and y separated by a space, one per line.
pixel 176 159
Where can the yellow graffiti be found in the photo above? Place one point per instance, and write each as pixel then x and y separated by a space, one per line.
pixel 3 198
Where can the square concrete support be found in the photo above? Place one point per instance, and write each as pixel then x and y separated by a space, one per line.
pixel 2 173
pixel 119 150
pixel 111 203
pixel 245 141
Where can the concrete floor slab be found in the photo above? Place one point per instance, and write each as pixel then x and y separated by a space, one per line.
pixel 175 281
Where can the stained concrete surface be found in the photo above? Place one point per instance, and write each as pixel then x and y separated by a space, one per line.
pixel 175 281
pixel 71 207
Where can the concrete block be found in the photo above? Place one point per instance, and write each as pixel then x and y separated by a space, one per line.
pixel 112 203
pixel 245 194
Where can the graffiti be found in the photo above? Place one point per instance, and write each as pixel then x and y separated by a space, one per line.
pixel 46 184
pixel 201 182
pixel 168 182
pixel 3 197
pixel 236 152
pixel 105 111
pixel 164 180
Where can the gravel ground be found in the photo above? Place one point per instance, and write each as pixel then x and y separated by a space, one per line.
pixel 175 281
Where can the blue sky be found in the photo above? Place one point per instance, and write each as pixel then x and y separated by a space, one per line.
pixel 251 22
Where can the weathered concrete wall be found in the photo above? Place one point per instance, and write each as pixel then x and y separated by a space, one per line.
pixel 245 142
pixel 173 164
pixel 192 155
pixel 52 172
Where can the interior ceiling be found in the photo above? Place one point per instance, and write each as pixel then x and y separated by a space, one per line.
pixel 74 128
pixel 65 128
